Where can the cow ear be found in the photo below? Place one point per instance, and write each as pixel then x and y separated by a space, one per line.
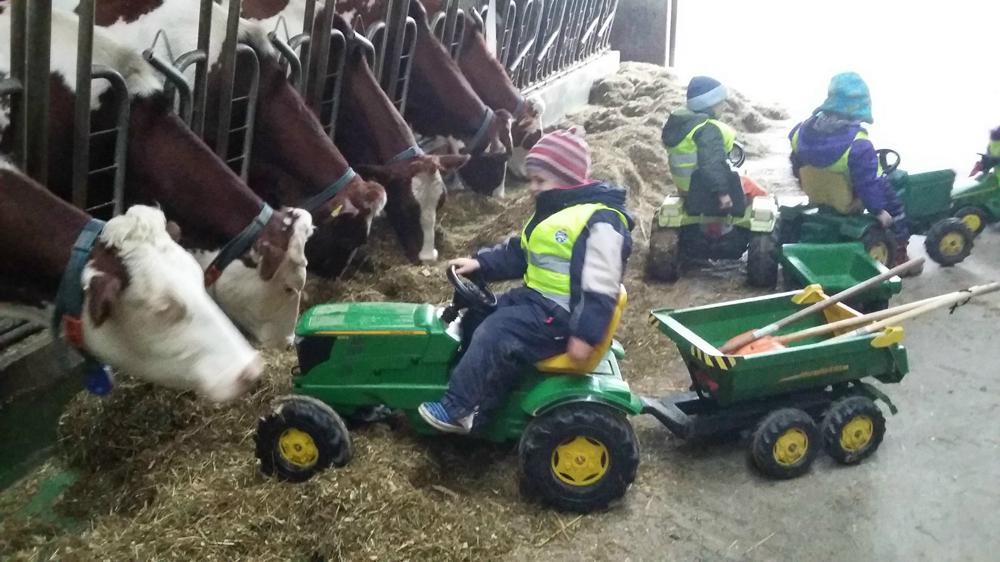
pixel 270 260
pixel 103 292
pixel 174 231
pixel 449 162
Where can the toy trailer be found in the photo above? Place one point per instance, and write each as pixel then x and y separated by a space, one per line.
pixel 838 267
pixel 797 399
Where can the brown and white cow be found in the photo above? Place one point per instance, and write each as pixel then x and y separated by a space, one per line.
pixel 170 167
pixel 144 307
pixel 374 137
pixel 293 160
pixel 441 101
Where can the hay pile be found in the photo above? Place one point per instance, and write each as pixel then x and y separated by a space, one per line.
pixel 166 477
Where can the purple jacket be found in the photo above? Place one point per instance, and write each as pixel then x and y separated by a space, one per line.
pixel 821 146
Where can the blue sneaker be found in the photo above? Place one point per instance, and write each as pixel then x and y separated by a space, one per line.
pixel 438 418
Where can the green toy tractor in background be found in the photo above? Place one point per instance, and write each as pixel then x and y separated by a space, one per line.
pixel 678 237
pixel 948 215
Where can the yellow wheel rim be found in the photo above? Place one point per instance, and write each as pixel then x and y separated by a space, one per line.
pixel 580 461
pixel 951 244
pixel 298 448
pixel 791 447
pixel 880 253
pixel 972 221
pixel 856 434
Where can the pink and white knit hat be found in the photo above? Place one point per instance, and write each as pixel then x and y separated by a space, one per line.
pixel 561 155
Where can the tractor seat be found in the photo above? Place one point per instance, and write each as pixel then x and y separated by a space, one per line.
pixel 562 364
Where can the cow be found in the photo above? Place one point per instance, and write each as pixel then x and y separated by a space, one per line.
pixel 373 136
pixel 442 102
pixel 258 277
pixel 142 306
pixel 293 161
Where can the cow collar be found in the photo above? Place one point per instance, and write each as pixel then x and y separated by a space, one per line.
pixel 237 246
pixel 475 145
pixel 315 202
pixel 408 154
pixel 67 314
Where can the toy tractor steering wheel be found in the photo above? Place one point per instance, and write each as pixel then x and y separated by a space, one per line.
pixel 737 155
pixel 889 160
pixel 469 293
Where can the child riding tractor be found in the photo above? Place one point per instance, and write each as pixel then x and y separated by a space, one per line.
pixel 717 214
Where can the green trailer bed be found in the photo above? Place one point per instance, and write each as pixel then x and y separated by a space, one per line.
pixel 805 365
pixel 837 267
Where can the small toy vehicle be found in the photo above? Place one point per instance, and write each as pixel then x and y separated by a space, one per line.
pixel 678 236
pixel 977 202
pixel 797 400
pixel 927 199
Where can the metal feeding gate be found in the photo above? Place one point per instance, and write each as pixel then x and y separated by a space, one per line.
pixel 233 136
pixel 317 69
pixel 394 42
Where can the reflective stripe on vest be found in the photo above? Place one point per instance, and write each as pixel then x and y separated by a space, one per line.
pixel 549 250
pixel 994 149
pixel 683 157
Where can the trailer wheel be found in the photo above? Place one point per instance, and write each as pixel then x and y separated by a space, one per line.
pixel 578 457
pixel 785 443
pixel 853 429
pixel 300 437
pixel 974 218
pixel 880 245
pixel 762 261
pixel 949 241
pixel 664 260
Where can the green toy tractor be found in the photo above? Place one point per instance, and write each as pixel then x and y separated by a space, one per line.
pixel 934 206
pixel 577 449
pixel 976 202
pixel 678 237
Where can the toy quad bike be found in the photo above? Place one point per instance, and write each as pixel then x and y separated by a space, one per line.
pixel 837 216
pixel 577 449
pixel 678 236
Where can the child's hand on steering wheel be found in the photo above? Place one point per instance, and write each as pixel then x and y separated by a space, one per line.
pixel 465 266
pixel 885 219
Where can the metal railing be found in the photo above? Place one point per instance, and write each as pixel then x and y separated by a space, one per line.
pixel 233 141
pixel 396 88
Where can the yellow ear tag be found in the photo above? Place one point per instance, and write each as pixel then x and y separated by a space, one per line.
pixel 335 212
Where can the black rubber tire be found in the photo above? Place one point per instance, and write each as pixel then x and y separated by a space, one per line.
pixel 876 236
pixel 773 426
pixel 591 421
pixel 663 263
pixel 762 261
pixel 311 416
pixel 836 419
pixel 973 211
pixel 936 235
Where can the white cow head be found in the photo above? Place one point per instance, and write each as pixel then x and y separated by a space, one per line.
pixel 146 311
pixel 263 297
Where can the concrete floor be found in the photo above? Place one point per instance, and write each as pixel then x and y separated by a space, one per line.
pixel 929 493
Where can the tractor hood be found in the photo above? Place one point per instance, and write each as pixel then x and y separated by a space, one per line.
pixel 367 318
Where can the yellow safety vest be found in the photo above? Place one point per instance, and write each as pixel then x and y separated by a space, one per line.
pixel 683 157
pixel 831 186
pixel 549 250
pixel 994 149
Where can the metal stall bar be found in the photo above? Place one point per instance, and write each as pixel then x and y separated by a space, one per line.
pixel 331 81
pixel 287 53
pixel 316 79
pixel 36 89
pixel 119 91
pixel 450 25
pixel 13 85
pixel 81 121
pixel 406 65
pixel 227 79
pixel 200 100
pixel 395 39
pixel 376 35
pixel 241 162
pixel 528 26
pixel 303 42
